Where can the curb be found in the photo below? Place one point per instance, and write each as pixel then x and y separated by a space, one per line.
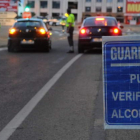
pixel 2 46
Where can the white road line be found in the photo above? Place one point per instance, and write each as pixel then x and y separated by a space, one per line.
pixel 26 110
pixel 61 34
pixel 56 32
pixel 62 38
pixel 3 49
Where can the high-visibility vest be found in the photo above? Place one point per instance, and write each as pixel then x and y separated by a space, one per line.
pixel 70 19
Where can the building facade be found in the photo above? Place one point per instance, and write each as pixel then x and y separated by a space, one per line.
pixel 84 8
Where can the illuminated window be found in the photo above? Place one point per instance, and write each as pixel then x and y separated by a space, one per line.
pixel 119 9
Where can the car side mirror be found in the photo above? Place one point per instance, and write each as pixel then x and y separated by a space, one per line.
pixel 79 27
pixel 121 26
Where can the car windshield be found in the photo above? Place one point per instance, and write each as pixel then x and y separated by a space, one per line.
pixel 25 24
pixel 100 22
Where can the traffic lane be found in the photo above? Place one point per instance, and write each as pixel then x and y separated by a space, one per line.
pixel 23 74
pixel 67 111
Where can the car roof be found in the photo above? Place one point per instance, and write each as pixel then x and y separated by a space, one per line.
pixel 31 19
pixel 101 17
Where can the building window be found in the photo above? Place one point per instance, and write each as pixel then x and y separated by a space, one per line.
pixel 73 5
pixel 55 15
pixel 88 9
pixel 31 4
pixel 98 0
pixel 43 14
pixel 120 0
pixel 119 9
pixel 56 4
pixel 109 1
pixel 43 4
pixel 109 9
pixel 98 9
pixel 88 0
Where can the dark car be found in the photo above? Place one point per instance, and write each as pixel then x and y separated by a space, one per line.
pixel 92 30
pixel 29 34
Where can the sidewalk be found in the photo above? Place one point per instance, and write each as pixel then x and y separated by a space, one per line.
pixel 4 35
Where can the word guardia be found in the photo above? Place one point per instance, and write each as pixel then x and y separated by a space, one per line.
pixel 125 53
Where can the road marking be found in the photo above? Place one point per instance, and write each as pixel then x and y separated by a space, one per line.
pixel 59 60
pixel 61 34
pixel 62 38
pixel 3 49
pixel 26 110
pixel 56 32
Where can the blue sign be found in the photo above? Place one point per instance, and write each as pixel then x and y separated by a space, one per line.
pixel 122 84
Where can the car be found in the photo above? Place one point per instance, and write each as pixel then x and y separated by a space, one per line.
pixel 29 34
pixel 92 30
pixel 45 20
pixel 56 21
pixel 53 21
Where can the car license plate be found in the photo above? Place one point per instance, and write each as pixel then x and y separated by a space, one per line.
pixel 97 40
pixel 27 41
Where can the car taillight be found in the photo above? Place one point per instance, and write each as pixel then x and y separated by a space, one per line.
pixel 84 31
pixel 48 34
pixel 116 31
pixel 12 31
pixel 42 31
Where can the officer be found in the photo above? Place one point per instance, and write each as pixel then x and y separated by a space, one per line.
pixel 63 23
pixel 70 29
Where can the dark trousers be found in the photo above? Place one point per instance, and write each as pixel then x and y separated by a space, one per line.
pixel 70 37
pixel 63 27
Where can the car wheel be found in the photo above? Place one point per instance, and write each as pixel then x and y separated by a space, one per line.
pixel 47 49
pixel 80 49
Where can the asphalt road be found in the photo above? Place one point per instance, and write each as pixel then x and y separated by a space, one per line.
pixel 71 107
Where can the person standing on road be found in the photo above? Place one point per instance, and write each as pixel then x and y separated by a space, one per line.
pixel 70 29
pixel 63 23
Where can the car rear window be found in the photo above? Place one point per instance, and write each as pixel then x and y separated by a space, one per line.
pixel 29 24
pixel 100 22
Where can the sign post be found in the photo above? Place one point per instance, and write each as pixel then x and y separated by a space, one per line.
pixel 121 82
